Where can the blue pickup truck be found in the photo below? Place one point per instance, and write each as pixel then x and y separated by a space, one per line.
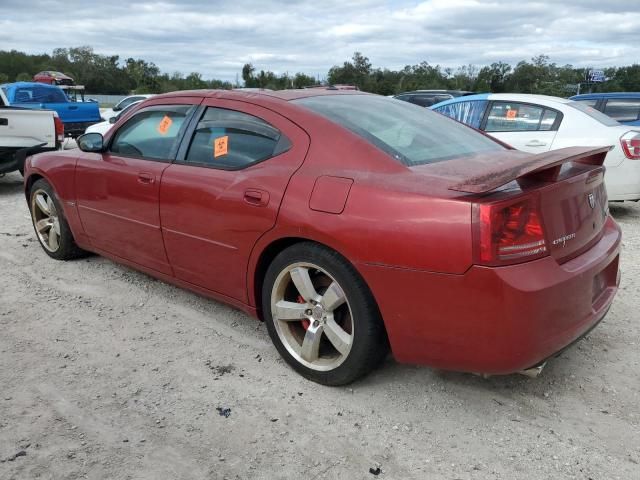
pixel 76 116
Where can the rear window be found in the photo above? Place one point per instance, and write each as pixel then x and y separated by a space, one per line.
pixel 593 113
pixel 410 134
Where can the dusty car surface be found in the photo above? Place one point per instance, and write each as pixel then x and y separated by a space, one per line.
pixel 349 222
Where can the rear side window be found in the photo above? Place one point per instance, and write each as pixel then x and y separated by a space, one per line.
pixel 520 117
pixel 623 110
pixel 40 95
pixel 231 140
pixel 410 134
pixel 469 113
pixel 152 133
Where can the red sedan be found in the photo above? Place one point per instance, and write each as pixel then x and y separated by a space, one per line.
pixel 348 222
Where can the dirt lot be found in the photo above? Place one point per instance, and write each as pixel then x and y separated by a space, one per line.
pixel 106 373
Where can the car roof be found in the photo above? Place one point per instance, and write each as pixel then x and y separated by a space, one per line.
pixel 30 84
pixel 595 96
pixel 545 100
pixel 286 95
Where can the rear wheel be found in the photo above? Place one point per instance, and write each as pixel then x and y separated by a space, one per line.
pixel 321 316
pixel 49 223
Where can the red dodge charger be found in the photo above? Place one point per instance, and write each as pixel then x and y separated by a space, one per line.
pixel 348 222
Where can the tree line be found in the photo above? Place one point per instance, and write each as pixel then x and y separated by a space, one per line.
pixel 111 75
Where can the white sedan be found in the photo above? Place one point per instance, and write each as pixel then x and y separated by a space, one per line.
pixel 104 127
pixel 122 104
pixel 537 123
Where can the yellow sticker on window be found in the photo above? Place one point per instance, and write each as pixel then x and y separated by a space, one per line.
pixel 164 125
pixel 220 146
pixel 512 114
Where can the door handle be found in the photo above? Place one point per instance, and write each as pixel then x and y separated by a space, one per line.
pixel 73 107
pixel 4 121
pixel 146 178
pixel 258 198
pixel 536 143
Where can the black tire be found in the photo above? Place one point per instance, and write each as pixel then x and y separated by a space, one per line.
pixel 368 341
pixel 66 248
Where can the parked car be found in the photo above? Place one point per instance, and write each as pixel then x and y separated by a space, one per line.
pixel 53 78
pixel 348 222
pixel 122 104
pixel 426 98
pixel 104 127
pixel 26 132
pixel 623 107
pixel 76 116
pixel 537 123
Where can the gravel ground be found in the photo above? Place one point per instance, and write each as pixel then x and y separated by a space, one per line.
pixel 108 373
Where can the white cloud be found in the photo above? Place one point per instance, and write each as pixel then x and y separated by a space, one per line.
pixel 216 38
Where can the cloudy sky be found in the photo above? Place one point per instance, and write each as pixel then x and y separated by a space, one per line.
pixel 217 37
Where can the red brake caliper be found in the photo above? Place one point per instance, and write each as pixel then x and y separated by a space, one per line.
pixel 305 322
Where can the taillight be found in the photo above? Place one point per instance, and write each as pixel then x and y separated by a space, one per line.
pixel 509 232
pixel 59 127
pixel 630 143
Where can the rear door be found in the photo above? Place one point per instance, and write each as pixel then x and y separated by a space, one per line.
pixel 118 190
pixel 224 191
pixel 524 126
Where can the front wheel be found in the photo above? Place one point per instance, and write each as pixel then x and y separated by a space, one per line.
pixel 49 223
pixel 321 316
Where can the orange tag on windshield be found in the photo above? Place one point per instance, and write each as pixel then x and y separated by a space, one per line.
pixel 512 114
pixel 220 146
pixel 164 125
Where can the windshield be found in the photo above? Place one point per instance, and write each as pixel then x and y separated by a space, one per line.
pixel 593 113
pixel 411 134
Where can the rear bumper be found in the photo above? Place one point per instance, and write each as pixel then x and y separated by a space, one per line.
pixel 496 320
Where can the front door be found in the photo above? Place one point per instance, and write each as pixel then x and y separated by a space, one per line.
pixel 224 191
pixel 526 127
pixel 118 190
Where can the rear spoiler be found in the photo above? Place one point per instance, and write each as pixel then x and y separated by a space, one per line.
pixel 541 167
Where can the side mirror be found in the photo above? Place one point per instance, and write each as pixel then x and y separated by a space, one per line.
pixel 113 120
pixel 91 142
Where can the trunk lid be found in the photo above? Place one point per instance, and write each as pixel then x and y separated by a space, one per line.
pixel 565 186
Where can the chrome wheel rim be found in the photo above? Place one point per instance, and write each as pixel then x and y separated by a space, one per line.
pixel 312 316
pixel 46 220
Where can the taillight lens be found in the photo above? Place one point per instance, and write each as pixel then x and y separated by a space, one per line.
pixel 509 232
pixel 59 127
pixel 630 143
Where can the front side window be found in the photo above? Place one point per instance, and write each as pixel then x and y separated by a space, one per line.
pixel 623 110
pixel 231 140
pixel 410 134
pixel 152 133
pixel 591 102
pixel 470 113
pixel 513 117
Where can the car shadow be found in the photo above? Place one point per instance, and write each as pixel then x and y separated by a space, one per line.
pixel 624 210
pixel 11 184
